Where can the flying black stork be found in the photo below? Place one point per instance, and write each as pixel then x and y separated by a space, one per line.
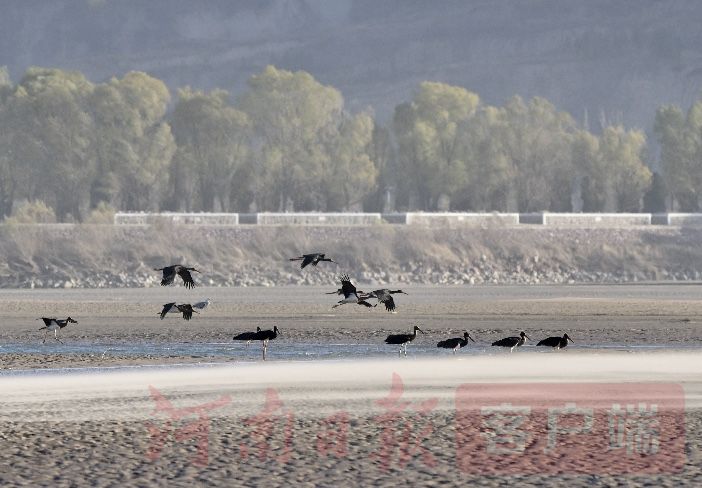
pixel 248 336
pixel 512 342
pixel 185 308
pixel 384 296
pixel 403 339
pixel 556 342
pixel 351 295
pixel 314 259
pixel 267 335
pixel 170 272
pixel 455 343
pixel 52 323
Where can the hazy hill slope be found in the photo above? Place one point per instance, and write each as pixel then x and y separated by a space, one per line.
pixel 624 57
pixel 92 256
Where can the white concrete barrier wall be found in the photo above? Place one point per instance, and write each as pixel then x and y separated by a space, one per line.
pixel 456 219
pixel 685 219
pixel 124 218
pixel 596 219
pixel 318 218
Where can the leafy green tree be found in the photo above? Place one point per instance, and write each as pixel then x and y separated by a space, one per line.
pixel 622 167
pixel 214 146
pixel 348 173
pixel 292 115
pixel 52 139
pixel 431 166
pixel 133 143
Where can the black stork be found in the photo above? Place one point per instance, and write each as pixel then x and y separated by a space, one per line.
pixel 455 343
pixel 170 272
pixel 512 342
pixel 247 336
pixel 384 296
pixel 350 293
pixel 314 259
pixel 52 323
pixel 186 309
pixel 556 342
pixel 267 335
pixel 403 339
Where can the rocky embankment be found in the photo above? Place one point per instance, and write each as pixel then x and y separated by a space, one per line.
pixel 88 256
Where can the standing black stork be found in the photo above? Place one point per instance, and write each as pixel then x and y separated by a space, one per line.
pixel 267 335
pixel 52 323
pixel 556 342
pixel 512 342
pixel 247 336
pixel 186 309
pixel 314 259
pixel 403 339
pixel 384 296
pixel 170 272
pixel 455 343
pixel 350 293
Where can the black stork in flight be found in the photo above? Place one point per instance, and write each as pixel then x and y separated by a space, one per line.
pixel 455 343
pixel 384 296
pixel 512 342
pixel 52 323
pixel 351 295
pixel 556 342
pixel 185 308
pixel 403 339
pixel 170 272
pixel 314 259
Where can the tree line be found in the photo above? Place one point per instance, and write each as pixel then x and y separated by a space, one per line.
pixel 288 143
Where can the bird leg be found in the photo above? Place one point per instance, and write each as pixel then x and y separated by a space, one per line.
pixel 46 332
pixel 56 336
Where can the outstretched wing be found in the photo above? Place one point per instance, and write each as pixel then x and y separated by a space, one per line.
pixel 388 302
pixel 187 277
pixel 363 302
pixel 187 310
pixel 47 321
pixel 169 273
pixel 309 258
pixel 166 308
pixel 347 287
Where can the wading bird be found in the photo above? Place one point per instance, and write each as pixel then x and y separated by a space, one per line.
pixel 403 339
pixel 267 335
pixel 556 342
pixel 455 343
pixel 512 342
pixel 170 272
pixel 351 295
pixel 202 305
pixel 52 323
pixel 314 259
pixel 384 296
pixel 248 336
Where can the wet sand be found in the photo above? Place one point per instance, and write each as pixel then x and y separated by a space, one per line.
pixel 97 422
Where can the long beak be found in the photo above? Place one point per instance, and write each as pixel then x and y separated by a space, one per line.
pixel 571 340
pixel 469 337
pixel 405 293
pixel 527 336
pixel 420 330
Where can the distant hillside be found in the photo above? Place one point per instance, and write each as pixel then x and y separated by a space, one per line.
pixel 618 57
